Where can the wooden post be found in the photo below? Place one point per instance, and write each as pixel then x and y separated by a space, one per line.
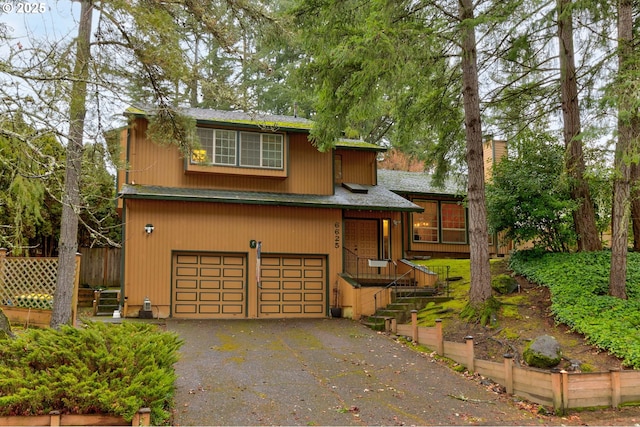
pixel 394 325
pixel 54 418
pixel 615 387
pixel 96 299
pixel 3 255
pixel 508 373
pixel 556 389
pixel 142 417
pixel 470 353
pixel 76 286
pixel 565 390
pixel 439 338
pixel 414 324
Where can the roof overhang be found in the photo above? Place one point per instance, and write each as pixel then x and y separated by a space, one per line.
pixel 376 199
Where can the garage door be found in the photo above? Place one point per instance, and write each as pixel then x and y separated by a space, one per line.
pixel 293 286
pixel 209 285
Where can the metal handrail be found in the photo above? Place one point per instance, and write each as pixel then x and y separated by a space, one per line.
pixel 393 283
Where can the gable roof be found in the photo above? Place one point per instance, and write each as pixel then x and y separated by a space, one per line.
pixel 236 118
pixel 403 182
pixel 377 198
pixel 272 122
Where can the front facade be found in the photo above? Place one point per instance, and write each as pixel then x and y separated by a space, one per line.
pixel 254 223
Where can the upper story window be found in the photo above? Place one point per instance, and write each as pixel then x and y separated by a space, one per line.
pixel 246 149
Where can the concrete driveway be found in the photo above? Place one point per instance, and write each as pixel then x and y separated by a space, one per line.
pixel 320 372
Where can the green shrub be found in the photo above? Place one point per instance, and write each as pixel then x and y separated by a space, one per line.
pixel 504 284
pixel 579 284
pixel 102 368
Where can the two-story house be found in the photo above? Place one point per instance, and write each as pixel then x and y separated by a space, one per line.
pixel 255 223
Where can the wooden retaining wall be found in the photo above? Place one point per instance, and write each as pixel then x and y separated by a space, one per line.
pixel 562 390
pixel 141 418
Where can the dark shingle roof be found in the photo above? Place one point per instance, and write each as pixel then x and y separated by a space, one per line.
pixel 240 118
pixel 403 182
pixel 376 198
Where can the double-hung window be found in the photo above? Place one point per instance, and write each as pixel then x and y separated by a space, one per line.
pixel 261 150
pixel 244 149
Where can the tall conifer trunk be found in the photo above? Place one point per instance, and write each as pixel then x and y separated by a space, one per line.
pixel 620 212
pixel 584 217
pixel 480 289
pixel 68 244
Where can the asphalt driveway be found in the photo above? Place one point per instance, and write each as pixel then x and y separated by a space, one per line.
pixel 320 372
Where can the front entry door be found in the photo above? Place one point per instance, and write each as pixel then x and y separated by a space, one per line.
pixel 361 241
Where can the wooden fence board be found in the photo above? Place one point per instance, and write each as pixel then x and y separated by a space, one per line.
pixel 404 330
pixel 589 389
pixel 492 370
pixel 427 336
pixel 526 377
pixel 629 386
pixel 40 420
pixel 100 267
pixel 456 351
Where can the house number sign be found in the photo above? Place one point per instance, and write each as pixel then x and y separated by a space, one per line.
pixel 336 235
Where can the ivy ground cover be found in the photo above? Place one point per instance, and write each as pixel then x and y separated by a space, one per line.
pixel 579 286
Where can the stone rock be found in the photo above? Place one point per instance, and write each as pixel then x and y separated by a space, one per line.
pixel 5 327
pixel 543 352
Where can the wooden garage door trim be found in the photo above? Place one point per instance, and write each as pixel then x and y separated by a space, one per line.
pixel 293 285
pixel 209 285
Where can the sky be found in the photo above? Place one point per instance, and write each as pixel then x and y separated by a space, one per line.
pixel 51 19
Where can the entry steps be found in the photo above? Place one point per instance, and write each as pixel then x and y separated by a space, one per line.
pixel 400 310
pixel 106 301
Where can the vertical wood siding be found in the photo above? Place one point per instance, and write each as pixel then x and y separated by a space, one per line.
pixel 358 166
pixel 215 227
pixel 309 171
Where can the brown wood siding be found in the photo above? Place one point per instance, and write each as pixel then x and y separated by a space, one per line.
pixel 122 167
pixel 309 171
pixel 493 151
pixel 358 166
pixel 213 227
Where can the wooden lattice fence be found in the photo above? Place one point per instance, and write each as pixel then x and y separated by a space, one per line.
pixel 27 285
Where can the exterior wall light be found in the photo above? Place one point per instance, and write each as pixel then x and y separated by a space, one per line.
pixel 148 228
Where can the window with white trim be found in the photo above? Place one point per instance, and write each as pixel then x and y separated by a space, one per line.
pixel 234 148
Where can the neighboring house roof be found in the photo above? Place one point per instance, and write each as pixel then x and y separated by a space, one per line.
pixel 403 182
pixel 377 198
